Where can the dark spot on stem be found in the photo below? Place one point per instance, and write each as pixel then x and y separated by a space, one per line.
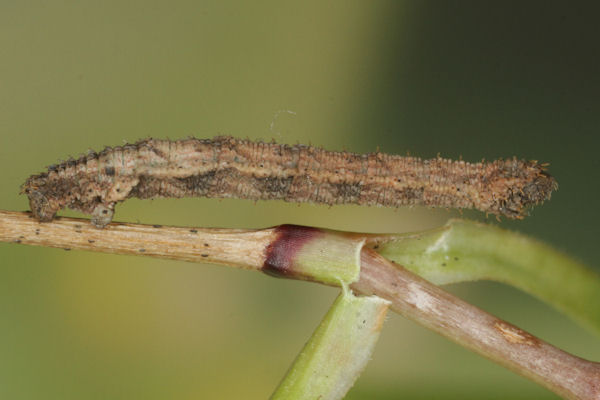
pixel 193 231
pixel 110 171
pixel 281 252
pixel 157 226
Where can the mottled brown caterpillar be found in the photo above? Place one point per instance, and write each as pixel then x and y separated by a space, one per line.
pixel 228 167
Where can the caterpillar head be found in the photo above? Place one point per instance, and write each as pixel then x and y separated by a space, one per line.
pixel 530 185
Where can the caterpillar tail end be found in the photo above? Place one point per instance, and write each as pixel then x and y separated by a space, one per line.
pixel 41 208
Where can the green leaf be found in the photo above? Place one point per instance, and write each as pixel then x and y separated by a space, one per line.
pixel 338 350
pixel 468 251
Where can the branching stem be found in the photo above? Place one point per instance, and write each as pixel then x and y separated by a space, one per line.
pixel 411 295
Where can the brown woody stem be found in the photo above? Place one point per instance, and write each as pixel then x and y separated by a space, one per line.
pixel 419 300
pixel 411 296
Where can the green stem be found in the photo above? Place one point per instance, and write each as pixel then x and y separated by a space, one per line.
pixel 467 251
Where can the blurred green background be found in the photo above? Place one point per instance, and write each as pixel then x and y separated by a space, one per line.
pixel 477 79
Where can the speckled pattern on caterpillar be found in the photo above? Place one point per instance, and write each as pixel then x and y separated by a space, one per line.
pixel 228 167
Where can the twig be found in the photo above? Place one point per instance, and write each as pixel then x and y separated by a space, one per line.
pixel 463 250
pixel 411 296
pixel 236 248
pixel 417 299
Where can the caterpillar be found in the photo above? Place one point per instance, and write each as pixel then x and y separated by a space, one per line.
pixel 228 167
